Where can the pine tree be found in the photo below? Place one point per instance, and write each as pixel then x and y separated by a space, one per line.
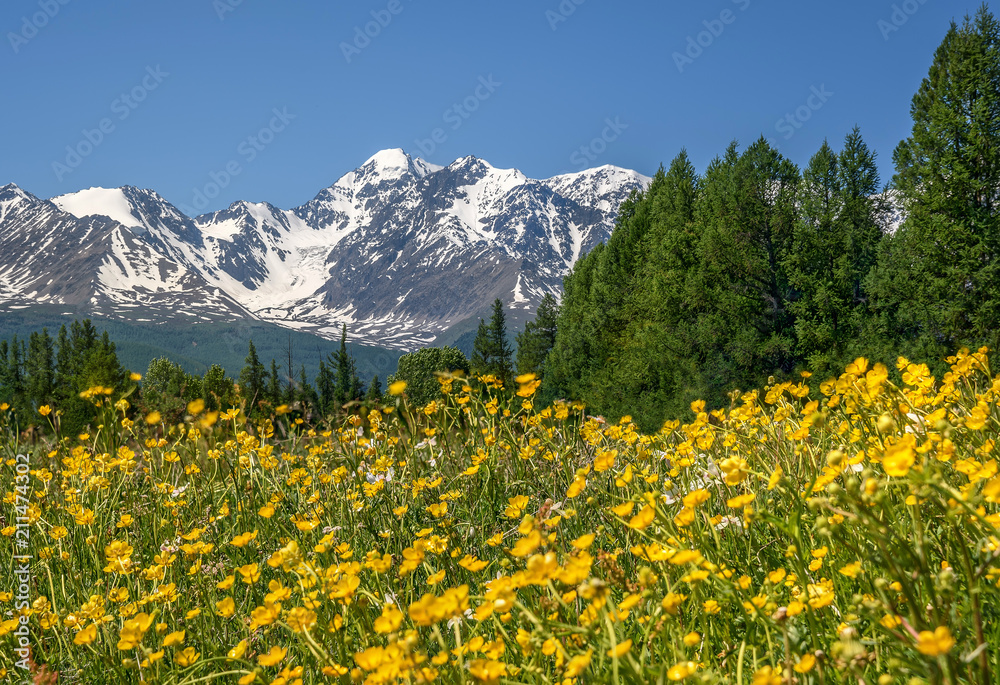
pixel 40 368
pixel 835 248
pixel 6 377
pixel 374 394
pixel 217 389
pixel 348 386
pixel 939 274
pixel 492 353
pixel 481 350
pixel 274 392
pixel 747 214
pixel 253 379
pixel 538 337
pixel 325 386
pixel 307 394
pixel 65 373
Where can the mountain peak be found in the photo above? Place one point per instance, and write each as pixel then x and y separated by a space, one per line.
pixel 110 202
pixel 11 191
pixel 396 163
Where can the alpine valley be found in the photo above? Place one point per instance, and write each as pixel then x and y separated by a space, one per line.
pixel 399 250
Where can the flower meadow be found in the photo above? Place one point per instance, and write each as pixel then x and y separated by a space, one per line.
pixel 845 534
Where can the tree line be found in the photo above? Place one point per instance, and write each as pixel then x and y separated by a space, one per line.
pixel 718 281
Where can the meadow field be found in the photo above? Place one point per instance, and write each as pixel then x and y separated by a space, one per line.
pixel 850 535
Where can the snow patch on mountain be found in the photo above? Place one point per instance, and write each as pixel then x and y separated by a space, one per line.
pixel 109 202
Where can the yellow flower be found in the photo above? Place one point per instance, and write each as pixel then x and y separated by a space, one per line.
pixel 578 664
pixel 767 676
pixel 899 457
pixel 682 670
pixel 937 643
pixel 852 570
pixel 173 639
pixel 225 607
pixel 805 664
pixel 249 573
pixel 692 639
pixel 244 539
pixel 741 501
pixel 605 460
pixel 686 556
pixel 397 388
pixel 736 469
pixel 643 519
pixel 624 509
pixel 390 620
pixel 238 651
pixel 274 657
pixel 45 410
pixel 487 671
pixel 187 657
pixel 620 650
pixel 711 607
pixel 86 636
pixel 775 478
pixel 696 497
pixel 153 418
pixel 247 679
pixel 300 619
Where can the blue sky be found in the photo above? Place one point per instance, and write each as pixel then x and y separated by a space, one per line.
pixel 291 95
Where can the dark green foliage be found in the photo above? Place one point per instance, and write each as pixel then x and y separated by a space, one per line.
pixel 197 346
pixel 419 370
pixel 306 394
pixel 938 276
pixel 338 382
pixel 538 338
pixel 40 369
pixel 218 390
pixel 374 393
pixel 167 389
pixel 712 284
pixel 253 382
pixel 492 353
pixel 836 246
pixel 275 393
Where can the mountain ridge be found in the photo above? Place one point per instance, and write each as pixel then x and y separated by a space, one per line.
pixel 398 249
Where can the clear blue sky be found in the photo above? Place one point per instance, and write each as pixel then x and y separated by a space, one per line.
pixel 561 76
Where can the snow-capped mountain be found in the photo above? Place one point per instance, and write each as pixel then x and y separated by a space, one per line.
pixel 399 249
pixel 48 256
